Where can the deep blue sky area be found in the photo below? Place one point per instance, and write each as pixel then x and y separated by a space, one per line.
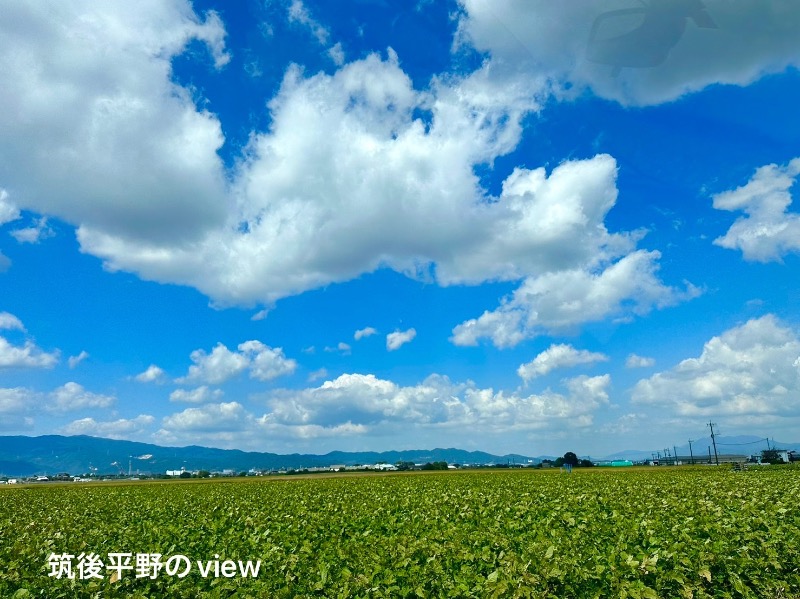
pixel 292 225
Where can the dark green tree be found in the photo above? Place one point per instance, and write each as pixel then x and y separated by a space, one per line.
pixel 771 456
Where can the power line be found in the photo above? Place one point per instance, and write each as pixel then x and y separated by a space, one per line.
pixel 748 443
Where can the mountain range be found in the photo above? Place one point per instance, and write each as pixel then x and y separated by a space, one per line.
pixel 51 454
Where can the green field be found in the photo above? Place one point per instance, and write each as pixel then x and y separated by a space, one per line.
pixel 692 532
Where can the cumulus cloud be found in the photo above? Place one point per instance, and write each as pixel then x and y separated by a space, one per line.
pixel 769 231
pixel 265 363
pixel 382 187
pixel 365 332
pixel 15 400
pixel 5 262
pixel 397 339
pixel 214 368
pixel 749 370
pixel 123 428
pixel 8 211
pixel 88 90
pixel 35 233
pixel 73 361
pixel 558 356
pixel 10 322
pixel 26 356
pixel 217 417
pixel 367 400
pixel 635 361
pixel 680 48
pixel 363 404
pixel 72 396
pixel 153 374
pixel 199 395
pixel 386 189
pixel 561 300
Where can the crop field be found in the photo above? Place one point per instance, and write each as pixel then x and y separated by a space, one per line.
pixel 692 532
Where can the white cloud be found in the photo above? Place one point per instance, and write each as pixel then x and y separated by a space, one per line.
pixel 562 300
pixel 386 190
pixel 89 107
pixel 336 53
pixel 265 363
pixel 552 41
pixel 115 429
pixel 8 211
pixel 635 361
pixel 26 356
pixel 34 234
pixel 72 396
pixel 768 232
pixel 369 401
pixel 558 356
pixel 260 315
pixel 341 347
pixel 218 417
pixel 10 322
pixel 73 361
pixel 214 368
pixel 299 13
pixel 397 339
pixel 15 400
pixel 5 262
pixel 381 187
pixel 199 395
pixel 750 370
pixel 365 332
pixel 316 375
pixel 359 404
pixel 152 374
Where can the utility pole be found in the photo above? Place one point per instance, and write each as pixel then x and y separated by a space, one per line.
pixel 675 449
pixel 709 454
pixel 714 441
pixel 691 455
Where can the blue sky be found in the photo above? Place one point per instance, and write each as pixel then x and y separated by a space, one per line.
pixel 290 225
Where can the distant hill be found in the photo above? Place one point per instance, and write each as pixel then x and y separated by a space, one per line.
pixel 51 454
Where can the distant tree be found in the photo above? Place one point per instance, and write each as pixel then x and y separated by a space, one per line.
pixel 435 466
pixel 203 474
pixel 771 456
pixel 401 465
pixel 570 459
pixel 185 474
pixel 586 464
